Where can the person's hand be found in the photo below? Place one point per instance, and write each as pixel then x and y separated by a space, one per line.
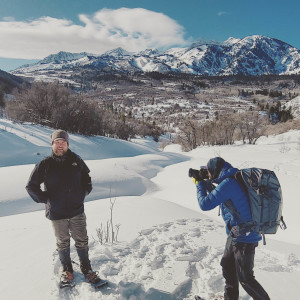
pixel 195 181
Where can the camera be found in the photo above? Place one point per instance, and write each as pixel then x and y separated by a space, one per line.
pixel 199 174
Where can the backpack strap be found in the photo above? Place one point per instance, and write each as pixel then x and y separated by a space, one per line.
pixel 263 238
pixel 244 226
pixel 282 224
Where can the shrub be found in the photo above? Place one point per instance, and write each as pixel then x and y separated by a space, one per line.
pixel 58 107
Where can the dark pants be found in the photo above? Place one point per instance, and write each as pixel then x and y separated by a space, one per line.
pixel 237 265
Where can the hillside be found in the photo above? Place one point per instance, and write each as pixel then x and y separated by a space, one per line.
pixel 294 105
pixel 167 102
pixel 8 81
pixel 167 248
pixel 170 100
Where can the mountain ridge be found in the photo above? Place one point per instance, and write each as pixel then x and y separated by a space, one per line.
pixel 252 55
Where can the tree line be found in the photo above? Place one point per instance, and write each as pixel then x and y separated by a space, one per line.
pixel 246 126
pixel 58 107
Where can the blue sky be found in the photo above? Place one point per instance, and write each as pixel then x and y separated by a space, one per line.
pixel 32 29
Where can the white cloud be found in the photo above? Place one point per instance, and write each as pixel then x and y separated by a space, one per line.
pixel 9 19
pixel 222 13
pixel 132 29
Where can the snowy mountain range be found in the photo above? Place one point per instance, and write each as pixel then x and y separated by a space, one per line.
pixel 252 55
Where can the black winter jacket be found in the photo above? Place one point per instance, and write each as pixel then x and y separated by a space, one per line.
pixel 66 183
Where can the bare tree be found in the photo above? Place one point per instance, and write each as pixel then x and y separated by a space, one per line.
pixel 229 124
pixel 188 135
pixel 222 130
pixel 251 125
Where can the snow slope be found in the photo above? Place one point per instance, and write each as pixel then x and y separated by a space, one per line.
pixel 167 248
pixel 294 105
pixel 31 143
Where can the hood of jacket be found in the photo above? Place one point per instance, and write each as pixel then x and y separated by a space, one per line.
pixel 227 171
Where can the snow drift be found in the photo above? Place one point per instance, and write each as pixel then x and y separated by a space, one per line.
pixel 167 248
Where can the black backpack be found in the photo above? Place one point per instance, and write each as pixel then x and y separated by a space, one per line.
pixel 265 200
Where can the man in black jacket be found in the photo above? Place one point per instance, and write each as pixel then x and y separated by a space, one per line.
pixel 66 183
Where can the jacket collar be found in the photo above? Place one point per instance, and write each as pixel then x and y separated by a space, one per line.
pixel 227 171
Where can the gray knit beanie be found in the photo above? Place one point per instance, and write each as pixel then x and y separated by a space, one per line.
pixel 59 134
pixel 215 166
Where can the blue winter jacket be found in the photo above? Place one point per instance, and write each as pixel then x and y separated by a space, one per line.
pixel 227 193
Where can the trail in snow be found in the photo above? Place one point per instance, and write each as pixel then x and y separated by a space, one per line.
pixel 174 261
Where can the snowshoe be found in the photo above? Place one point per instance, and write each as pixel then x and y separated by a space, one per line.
pixel 95 280
pixel 66 280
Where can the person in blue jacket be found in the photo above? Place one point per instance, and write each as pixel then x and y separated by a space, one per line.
pixel 238 258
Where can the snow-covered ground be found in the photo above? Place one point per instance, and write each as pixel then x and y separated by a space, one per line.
pixel 167 248
pixel 294 105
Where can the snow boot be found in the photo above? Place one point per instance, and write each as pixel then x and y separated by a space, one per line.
pixel 65 259
pixel 92 277
pixel 85 264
